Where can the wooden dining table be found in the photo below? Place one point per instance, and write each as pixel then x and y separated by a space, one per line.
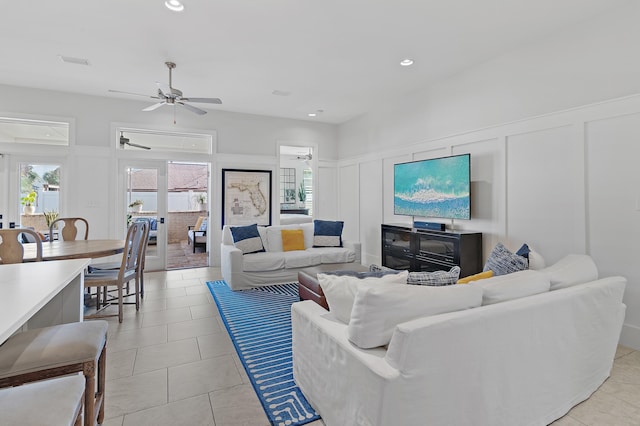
pixel 77 249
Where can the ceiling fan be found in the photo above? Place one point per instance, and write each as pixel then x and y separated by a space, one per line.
pixel 125 141
pixel 306 157
pixel 169 95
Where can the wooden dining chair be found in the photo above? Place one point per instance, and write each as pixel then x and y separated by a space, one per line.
pixel 103 279
pixel 69 231
pixel 142 255
pixel 11 249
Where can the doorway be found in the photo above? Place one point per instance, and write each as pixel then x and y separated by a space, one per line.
pixel 173 197
pixel 296 183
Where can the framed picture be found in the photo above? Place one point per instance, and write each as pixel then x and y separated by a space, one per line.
pixel 246 197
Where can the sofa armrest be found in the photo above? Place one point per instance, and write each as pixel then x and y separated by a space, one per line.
pixel 231 262
pixel 356 246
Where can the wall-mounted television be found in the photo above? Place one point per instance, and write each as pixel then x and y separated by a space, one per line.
pixel 437 187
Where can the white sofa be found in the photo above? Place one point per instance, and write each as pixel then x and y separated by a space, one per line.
pixel 274 265
pixel 524 361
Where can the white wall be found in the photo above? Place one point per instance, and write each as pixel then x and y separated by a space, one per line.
pixel 90 164
pixel 553 133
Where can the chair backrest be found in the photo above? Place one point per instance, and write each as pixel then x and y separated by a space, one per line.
pixel 11 249
pixel 132 247
pixel 69 231
pixel 144 242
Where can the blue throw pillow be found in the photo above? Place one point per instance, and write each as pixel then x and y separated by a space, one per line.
pixel 524 251
pixel 153 224
pixel 327 233
pixel 203 225
pixel 501 261
pixel 247 238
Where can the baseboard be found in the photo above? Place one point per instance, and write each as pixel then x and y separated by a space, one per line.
pixel 630 336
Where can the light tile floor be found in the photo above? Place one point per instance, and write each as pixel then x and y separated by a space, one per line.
pixel 172 363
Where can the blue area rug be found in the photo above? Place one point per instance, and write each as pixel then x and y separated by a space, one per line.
pixel 259 323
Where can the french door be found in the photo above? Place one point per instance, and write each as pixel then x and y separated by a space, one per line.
pixel 143 195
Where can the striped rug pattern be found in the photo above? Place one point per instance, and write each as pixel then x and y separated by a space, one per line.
pixel 259 323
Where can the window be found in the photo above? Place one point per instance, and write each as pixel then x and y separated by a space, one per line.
pixel 307 180
pixel 39 194
pixel 23 131
pixel 287 186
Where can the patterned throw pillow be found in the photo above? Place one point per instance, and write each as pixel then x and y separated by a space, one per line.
pixel 203 224
pixel 327 233
pixel 377 268
pixel 292 239
pixel 437 278
pixel 501 261
pixel 362 275
pixel 247 238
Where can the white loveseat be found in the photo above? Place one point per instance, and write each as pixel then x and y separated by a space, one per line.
pixel 524 361
pixel 274 265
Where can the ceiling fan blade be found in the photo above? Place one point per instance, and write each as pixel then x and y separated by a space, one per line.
pixel 137 146
pixel 193 109
pixel 204 100
pixel 131 93
pixel 154 106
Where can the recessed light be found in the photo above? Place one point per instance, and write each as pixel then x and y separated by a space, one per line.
pixel 312 114
pixel 406 62
pixel 174 5
pixel 280 93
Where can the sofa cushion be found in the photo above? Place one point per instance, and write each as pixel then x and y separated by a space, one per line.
pixel 247 238
pixel 301 259
pixel 513 286
pixel 378 309
pixel 327 233
pixel 340 291
pixel 436 278
pixel 501 261
pixel 334 254
pixel 263 261
pixel 571 270
pixel 292 239
pixel 475 277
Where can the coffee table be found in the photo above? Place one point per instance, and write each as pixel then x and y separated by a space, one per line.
pixel 308 286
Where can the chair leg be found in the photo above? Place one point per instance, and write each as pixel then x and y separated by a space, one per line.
pixel 102 365
pixel 89 394
pixel 137 294
pixel 120 304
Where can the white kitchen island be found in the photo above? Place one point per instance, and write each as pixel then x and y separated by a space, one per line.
pixel 40 294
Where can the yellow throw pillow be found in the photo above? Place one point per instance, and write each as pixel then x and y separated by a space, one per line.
pixel 292 239
pixel 476 277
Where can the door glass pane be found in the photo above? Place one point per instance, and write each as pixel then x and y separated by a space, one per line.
pixel 187 205
pixel 39 195
pixel 142 201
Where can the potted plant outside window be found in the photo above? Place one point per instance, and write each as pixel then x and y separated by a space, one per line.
pixel 201 200
pixel 136 206
pixel 29 201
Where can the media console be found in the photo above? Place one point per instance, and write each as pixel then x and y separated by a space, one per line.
pixel 412 249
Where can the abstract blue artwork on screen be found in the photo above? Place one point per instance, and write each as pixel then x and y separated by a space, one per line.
pixel 437 187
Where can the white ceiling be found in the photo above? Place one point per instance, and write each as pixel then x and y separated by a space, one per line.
pixel 339 56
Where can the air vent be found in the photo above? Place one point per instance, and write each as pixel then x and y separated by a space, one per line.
pixel 72 60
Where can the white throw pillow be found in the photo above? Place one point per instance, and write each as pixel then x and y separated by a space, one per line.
pixel 512 286
pixel 571 270
pixel 340 291
pixel 377 310
pixel 536 261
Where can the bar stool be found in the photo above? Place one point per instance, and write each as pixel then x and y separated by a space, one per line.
pixel 48 402
pixel 60 350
